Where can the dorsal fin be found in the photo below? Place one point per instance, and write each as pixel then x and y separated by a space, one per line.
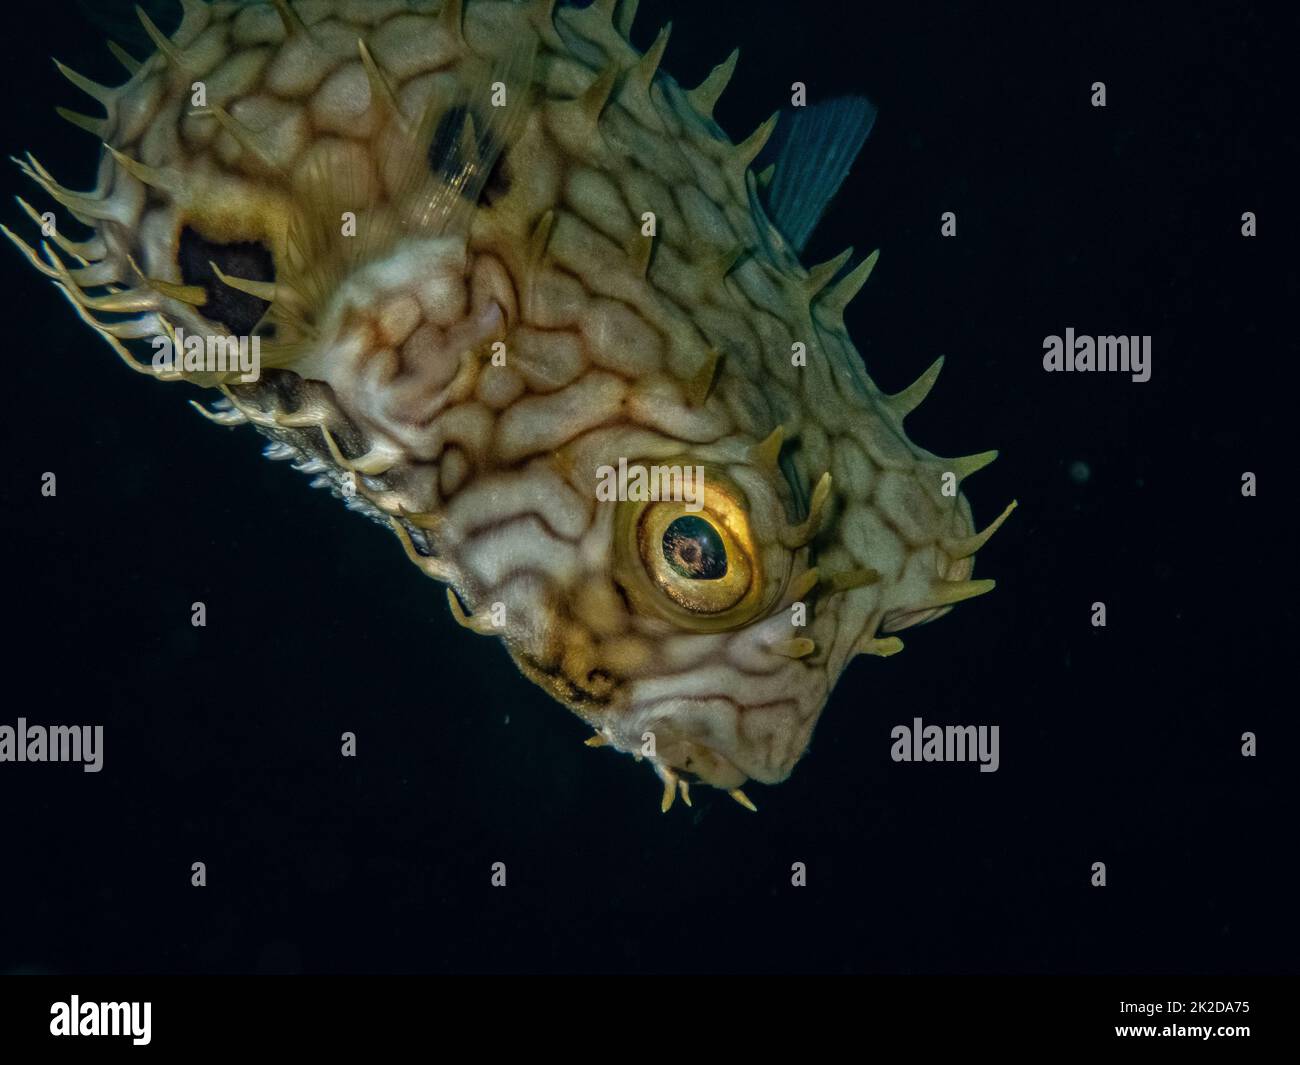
pixel 813 149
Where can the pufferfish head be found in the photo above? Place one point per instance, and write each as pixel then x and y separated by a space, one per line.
pixel 716 606
pixel 515 295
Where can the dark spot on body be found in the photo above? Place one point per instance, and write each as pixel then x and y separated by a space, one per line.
pixel 237 311
pixel 447 159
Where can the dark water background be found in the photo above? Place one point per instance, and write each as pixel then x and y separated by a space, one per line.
pixel 1118 745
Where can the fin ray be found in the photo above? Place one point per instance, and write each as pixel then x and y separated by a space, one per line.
pixel 814 149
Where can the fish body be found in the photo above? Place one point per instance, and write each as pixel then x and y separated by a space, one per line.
pixel 518 297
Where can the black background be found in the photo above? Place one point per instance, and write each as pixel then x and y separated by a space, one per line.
pixel 1119 745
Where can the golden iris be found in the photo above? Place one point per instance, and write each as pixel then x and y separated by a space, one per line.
pixel 698 566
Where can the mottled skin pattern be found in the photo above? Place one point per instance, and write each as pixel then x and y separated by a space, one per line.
pixel 612 340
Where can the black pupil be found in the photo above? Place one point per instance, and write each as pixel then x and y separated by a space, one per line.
pixel 694 549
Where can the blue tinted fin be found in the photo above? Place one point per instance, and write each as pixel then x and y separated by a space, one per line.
pixel 117 20
pixel 812 149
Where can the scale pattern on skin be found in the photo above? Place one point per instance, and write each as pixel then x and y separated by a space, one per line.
pixel 522 224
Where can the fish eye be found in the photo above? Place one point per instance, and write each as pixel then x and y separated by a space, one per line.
pixel 699 561
pixel 697 566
